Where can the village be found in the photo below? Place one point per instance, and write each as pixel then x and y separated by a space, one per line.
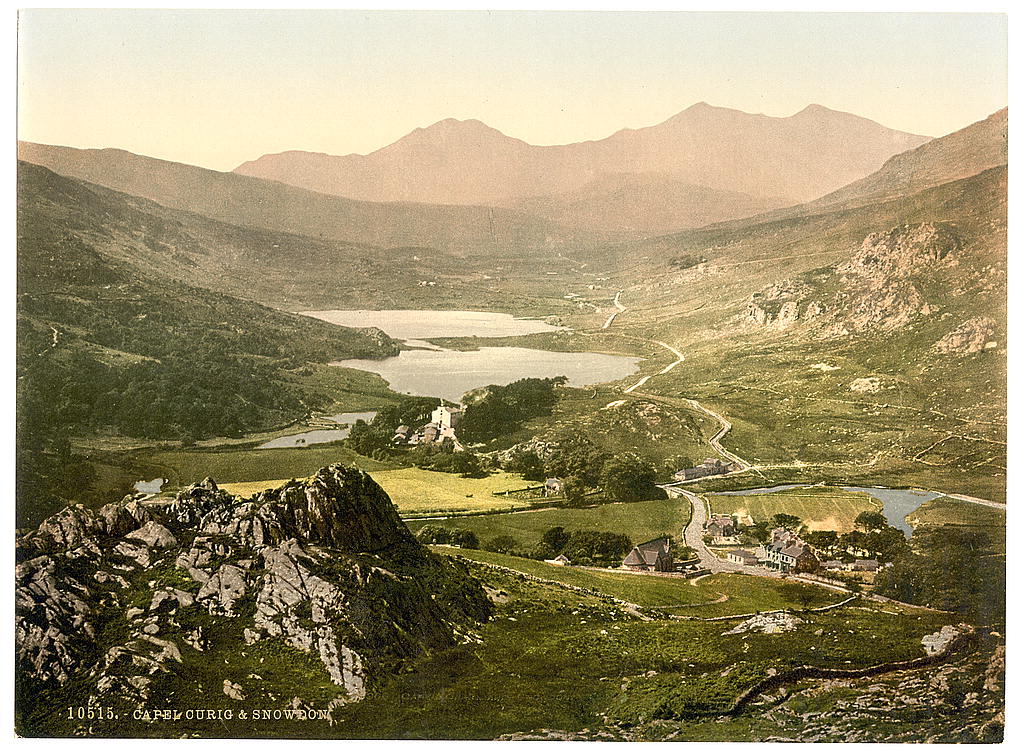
pixel 712 542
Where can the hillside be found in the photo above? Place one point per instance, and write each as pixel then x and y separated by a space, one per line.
pixel 106 344
pixel 159 603
pixel 634 204
pixel 282 270
pixel 245 201
pixel 963 153
pixel 867 343
pixel 782 160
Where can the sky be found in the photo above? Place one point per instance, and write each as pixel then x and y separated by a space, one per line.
pixel 217 88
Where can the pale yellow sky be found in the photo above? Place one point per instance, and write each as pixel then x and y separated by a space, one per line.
pixel 216 88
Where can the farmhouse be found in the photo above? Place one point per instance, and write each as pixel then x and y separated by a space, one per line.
pixel 654 555
pixel 865 564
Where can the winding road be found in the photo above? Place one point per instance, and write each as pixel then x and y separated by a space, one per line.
pixel 619 309
pixel 693 533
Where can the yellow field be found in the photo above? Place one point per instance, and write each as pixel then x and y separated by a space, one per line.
pixel 419 491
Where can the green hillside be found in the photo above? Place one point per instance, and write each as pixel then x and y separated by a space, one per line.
pixel 269 205
pixel 106 346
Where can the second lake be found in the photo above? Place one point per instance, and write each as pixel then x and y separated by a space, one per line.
pixel 449 374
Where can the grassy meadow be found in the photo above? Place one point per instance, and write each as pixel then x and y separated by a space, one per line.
pixel 421 492
pixel 951 511
pixel 819 508
pixel 712 596
pixel 640 521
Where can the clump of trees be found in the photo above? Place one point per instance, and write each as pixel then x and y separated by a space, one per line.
pixel 435 535
pixel 585 547
pixel 953 569
pixel 629 477
pixel 503 409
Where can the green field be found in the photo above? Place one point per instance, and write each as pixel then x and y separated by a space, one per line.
pixel 185 466
pixel 939 511
pixel 640 521
pixel 419 492
pixel 819 508
pixel 558 660
pixel 423 492
pixel 748 594
pixel 716 595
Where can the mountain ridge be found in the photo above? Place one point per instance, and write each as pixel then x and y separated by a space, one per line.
pixel 420 167
pixel 275 205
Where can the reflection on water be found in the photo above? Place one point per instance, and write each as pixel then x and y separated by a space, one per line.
pixel 428 370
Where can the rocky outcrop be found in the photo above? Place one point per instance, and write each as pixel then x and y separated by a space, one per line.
pixel 767 623
pixel 783 304
pixel 119 597
pixel 970 337
pixel 877 290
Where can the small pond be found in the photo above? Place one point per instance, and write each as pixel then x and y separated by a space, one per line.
pixel 150 486
pixel 325 435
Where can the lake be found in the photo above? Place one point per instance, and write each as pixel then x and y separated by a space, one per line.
pixel 449 374
pixel 406 324
pixel 326 435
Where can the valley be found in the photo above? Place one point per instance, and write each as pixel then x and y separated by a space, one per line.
pixel 524 378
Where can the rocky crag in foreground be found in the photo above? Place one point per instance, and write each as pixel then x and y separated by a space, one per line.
pixel 304 596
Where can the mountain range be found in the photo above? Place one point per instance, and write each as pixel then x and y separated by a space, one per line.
pixel 776 160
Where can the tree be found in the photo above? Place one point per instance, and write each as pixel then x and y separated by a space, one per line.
pixel 823 540
pixel 465 539
pixel 950 568
pixel 871 520
pixel 575 492
pixel 528 464
pixel 789 521
pixel 502 544
pixel 577 457
pixel 602 548
pixel 759 531
pixel 557 538
pixel 630 477
pixel 433 534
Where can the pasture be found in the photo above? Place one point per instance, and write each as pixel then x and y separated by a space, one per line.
pixel 640 521
pixel 819 507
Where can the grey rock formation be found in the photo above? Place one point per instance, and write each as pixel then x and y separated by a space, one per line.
pixel 326 568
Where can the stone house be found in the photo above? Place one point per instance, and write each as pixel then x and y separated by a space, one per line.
pixel 720 526
pixel 654 555
pixel 706 468
pixel 788 553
